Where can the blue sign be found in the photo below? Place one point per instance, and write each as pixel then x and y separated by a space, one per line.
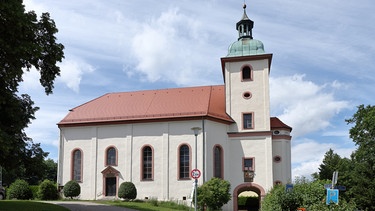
pixel 332 196
pixel 288 187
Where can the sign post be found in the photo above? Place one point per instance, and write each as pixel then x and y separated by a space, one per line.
pixel 195 174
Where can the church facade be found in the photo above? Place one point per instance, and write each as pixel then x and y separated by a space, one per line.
pixel 146 137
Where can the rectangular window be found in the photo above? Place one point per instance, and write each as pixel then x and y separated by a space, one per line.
pixel 248 164
pixel 247 121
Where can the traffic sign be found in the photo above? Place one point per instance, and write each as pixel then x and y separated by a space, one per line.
pixel 195 173
pixel 332 196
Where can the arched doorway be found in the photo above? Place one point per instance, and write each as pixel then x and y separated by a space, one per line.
pixel 110 182
pixel 251 189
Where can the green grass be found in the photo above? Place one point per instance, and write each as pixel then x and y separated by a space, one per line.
pixel 147 206
pixel 12 205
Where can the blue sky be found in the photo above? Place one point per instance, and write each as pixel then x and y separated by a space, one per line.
pixel 322 68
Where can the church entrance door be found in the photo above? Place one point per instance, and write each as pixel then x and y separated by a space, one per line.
pixel 110 186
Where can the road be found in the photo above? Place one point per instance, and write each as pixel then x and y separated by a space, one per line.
pixel 88 206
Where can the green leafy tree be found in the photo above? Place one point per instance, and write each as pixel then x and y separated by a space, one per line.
pixel 25 42
pixel 214 193
pixel 20 189
pixel 331 163
pixel 127 190
pixel 363 172
pixel 50 172
pixel 47 191
pixel 72 189
pixel 306 194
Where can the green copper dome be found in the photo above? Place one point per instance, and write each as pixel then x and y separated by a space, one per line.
pixel 246 45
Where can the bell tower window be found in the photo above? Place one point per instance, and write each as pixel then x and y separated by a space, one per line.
pixel 246 73
pixel 247 119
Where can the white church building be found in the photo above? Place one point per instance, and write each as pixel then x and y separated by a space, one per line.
pixel 146 137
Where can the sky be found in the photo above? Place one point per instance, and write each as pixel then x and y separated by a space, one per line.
pixel 322 66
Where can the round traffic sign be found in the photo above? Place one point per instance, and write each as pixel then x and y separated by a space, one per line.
pixel 195 173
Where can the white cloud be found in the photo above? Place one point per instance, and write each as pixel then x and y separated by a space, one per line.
pixel 304 105
pixel 72 71
pixel 165 49
pixel 308 154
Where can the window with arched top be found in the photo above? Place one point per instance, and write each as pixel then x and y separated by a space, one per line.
pixel 184 162
pixel 147 163
pixel 246 73
pixel 77 165
pixel 111 156
pixel 218 161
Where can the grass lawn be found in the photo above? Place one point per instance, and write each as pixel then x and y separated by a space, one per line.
pixel 147 206
pixel 12 205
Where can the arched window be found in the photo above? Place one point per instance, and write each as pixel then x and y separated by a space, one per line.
pixel 246 73
pixel 77 165
pixel 111 156
pixel 184 162
pixel 147 168
pixel 218 162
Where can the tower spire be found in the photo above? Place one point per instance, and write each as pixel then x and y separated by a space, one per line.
pixel 245 25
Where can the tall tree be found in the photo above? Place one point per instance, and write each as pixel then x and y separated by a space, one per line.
pixel 363 134
pixel 331 163
pixel 25 42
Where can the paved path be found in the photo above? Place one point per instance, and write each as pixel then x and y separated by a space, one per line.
pixel 88 206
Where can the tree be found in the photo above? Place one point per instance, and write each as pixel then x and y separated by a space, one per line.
pixel 50 170
pixel 47 191
pixel 20 189
pixel 363 135
pixel 331 163
pixel 214 193
pixel 25 43
pixel 72 189
pixel 127 190
pixel 306 194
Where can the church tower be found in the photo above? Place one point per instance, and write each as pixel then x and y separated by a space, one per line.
pixel 246 71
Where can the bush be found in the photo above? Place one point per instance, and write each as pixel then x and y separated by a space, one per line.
pixel 19 189
pixel 72 189
pixel 34 191
pixel 127 191
pixel 214 193
pixel 47 191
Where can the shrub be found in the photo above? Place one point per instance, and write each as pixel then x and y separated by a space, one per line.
pixel 20 189
pixel 72 189
pixel 127 191
pixel 34 191
pixel 47 191
pixel 214 193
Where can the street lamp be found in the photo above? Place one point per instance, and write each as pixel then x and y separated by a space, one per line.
pixel 196 131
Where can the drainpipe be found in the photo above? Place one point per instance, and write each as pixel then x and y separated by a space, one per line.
pixel 204 150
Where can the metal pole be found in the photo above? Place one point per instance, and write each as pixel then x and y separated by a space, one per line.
pixel 196 180
pixel 196 131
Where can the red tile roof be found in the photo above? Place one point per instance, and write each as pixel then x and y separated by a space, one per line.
pixel 156 105
pixel 276 123
pixel 204 101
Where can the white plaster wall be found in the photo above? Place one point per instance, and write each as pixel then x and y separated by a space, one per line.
pixel 258 147
pixel 165 139
pixel 259 103
pixel 282 169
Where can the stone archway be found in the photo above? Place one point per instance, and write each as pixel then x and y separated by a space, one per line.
pixel 249 186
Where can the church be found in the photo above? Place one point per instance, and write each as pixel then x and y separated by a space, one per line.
pixel 157 138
